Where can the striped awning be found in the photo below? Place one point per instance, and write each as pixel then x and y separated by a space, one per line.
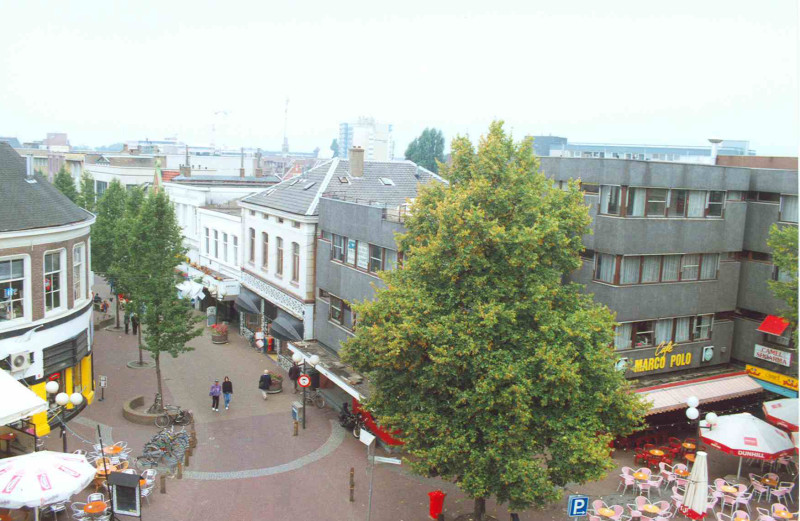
pixel 672 397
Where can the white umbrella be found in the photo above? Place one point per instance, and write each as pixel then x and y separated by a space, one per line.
pixel 695 500
pixel 746 436
pixel 42 478
pixel 782 413
pixel 18 401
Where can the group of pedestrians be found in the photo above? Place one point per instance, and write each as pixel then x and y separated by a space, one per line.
pixel 226 390
pixel 131 319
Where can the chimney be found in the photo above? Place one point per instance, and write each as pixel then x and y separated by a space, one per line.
pixel 357 162
pixel 714 149
pixel 124 147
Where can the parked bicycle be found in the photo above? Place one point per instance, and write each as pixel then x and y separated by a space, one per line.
pixel 315 398
pixel 174 414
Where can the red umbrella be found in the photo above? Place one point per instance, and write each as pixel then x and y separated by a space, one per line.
pixel 782 413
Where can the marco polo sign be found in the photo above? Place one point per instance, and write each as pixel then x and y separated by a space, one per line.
pixel 663 358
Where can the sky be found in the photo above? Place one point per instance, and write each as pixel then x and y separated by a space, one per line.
pixel 615 71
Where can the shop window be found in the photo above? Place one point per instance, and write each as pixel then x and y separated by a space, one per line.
pixel 656 202
pixel 716 202
pixel 784 340
pixel 53 278
pixel 295 262
pixel 264 251
pixel 77 378
pixel 690 267
pixel 252 246
pixel 788 211
pixel 375 258
pixel 12 289
pixel 252 322
pixel 337 251
pixel 78 272
pixel 610 200
pixel 279 256
pixel 644 333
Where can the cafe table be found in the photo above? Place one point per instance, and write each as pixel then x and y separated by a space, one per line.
pixel 689 457
pixel 681 472
pixel 605 512
pixel 641 476
pixel 689 446
pixel 95 507
pixel 729 489
pixel 651 509
pixel 769 482
pixel 656 452
pixel 112 450
pixel 782 514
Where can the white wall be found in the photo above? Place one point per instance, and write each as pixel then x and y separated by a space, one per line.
pixel 212 165
pixel 127 175
pixel 224 224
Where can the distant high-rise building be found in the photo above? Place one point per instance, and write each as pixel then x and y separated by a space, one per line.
pixel 374 137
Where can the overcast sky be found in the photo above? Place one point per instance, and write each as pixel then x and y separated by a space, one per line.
pixel 617 71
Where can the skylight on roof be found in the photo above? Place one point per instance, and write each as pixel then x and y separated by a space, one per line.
pixel 269 192
pixel 294 181
pixel 344 180
pixel 309 185
pixel 386 181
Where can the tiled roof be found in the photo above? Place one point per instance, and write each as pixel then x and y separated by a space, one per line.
pixel 27 205
pixel 227 179
pixel 14 142
pixel 333 179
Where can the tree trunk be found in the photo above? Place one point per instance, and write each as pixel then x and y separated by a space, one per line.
pixel 139 331
pixel 480 508
pixel 158 376
pixel 117 312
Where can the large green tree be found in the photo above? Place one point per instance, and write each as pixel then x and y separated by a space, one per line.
pixel 783 242
pixel 105 237
pixel 496 374
pixel 87 195
pixel 66 185
pixel 168 323
pixel 427 149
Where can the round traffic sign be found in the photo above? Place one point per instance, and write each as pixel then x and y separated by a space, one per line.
pixel 304 380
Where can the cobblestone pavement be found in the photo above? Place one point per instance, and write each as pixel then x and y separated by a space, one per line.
pixel 247 463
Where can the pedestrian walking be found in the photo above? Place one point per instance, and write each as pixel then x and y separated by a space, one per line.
pixel 135 323
pixel 227 391
pixel 294 374
pixel 264 382
pixel 104 309
pixel 214 394
pixel 127 320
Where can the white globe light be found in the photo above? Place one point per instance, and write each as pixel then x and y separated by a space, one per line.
pixel 62 399
pixel 51 387
pixel 76 399
pixel 692 401
pixel 692 413
pixel 313 360
pixel 711 418
pixel 298 358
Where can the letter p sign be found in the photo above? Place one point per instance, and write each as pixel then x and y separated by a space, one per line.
pixel 578 506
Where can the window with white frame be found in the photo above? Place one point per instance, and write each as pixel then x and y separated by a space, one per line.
pixel 78 272
pixel 339 243
pixel 264 251
pixel 53 280
pixel 208 240
pixel 609 200
pixel 788 208
pixel 702 327
pixel 216 244
pixel 295 262
pixel 651 333
pixel 252 246
pixel 12 289
pixel 224 247
pixel 236 250
pixel 279 256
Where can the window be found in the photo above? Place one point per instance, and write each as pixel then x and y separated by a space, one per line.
pixel 651 268
pixel 279 260
pixel 363 255
pixel 708 268
pixel 236 250
pixel 12 289
pixel 788 208
pixel 656 202
pixel 280 220
pixel 100 188
pixel 52 281
pixel 663 331
pixel 78 272
pixel 690 267
pixel 351 252
pixel 590 188
pixel 702 327
pixel 682 325
pixel 77 378
pixel 338 247
pixel 224 246
pixel 609 200
pixel 295 262
pixel 295 224
pixel 390 261
pixel 324 295
pixel 764 197
pixel 622 336
pixel 636 201
pixel 605 265
pixel 677 203
pixel 252 213
pixel 325 236
pixel 735 195
pixel 781 275
pixel 252 246
pixel 716 202
pixel 208 241
pixel 696 203
pixel 375 258
pixel 216 244
pixel 264 251
pixel 644 334
pixel 265 216
pixel 630 270
pixel 336 314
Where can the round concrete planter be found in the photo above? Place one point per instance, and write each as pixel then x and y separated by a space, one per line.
pixel 219 339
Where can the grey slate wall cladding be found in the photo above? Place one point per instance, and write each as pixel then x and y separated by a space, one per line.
pixel 754 293
pixel 329 334
pixel 361 222
pixel 746 339
pixel 760 217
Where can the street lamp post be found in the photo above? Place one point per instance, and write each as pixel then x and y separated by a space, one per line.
pixel 313 360
pixel 62 399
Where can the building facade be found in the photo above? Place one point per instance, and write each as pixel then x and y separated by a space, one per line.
pixel 374 137
pixel 46 329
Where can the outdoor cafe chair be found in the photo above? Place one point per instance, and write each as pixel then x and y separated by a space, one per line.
pixel 626 479
pixel 763 514
pixel 758 488
pixel 719 483
pixel 595 518
pixel 597 504
pixel 778 506
pixel 711 503
pixel 788 463
pixel 618 510
pixel 741 514
pixel 146 492
pixel 722 517
pixel 784 490
pixel 97 496
pixel 744 499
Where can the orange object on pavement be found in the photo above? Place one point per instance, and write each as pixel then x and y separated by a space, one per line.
pixel 651 509
pixel 112 449
pixel 689 446
pixel 640 476
pixel 783 514
pixel 95 507
pixel 606 512
pixel 656 452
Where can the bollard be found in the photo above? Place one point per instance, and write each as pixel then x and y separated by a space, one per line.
pixel 352 484
pixel 440 518
pixel 296 425
pixel 163 479
pixel 180 471
pixel 186 457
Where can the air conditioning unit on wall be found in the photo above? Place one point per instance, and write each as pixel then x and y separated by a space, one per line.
pixel 19 361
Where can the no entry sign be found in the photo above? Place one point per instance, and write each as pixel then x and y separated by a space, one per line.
pixel 304 380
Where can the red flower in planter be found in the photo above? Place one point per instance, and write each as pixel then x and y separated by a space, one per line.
pixel 220 329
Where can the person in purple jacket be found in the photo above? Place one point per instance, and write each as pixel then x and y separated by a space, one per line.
pixel 216 390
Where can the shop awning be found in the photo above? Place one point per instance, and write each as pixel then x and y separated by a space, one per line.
pixel 286 327
pixel 672 397
pixel 248 301
pixel 189 289
pixel 18 401
pixel 773 325
pixel 343 376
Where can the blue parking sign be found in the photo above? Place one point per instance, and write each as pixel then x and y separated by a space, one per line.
pixel 578 506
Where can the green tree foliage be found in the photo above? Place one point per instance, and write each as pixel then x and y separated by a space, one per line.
pixel 335 147
pixel 65 184
pixel 149 277
pixel 86 199
pixel 496 374
pixel 427 149
pixel 783 242
pixel 106 230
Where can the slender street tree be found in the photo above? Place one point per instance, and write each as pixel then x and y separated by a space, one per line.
pixel 783 242
pixel 86 199
pixel 105 237
pixel 157 247
pixel 427 149
pixel 66 185
pixel 495 373
pixel 124 245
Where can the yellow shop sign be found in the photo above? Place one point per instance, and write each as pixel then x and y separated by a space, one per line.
pixel 662 358
pixel 772 377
